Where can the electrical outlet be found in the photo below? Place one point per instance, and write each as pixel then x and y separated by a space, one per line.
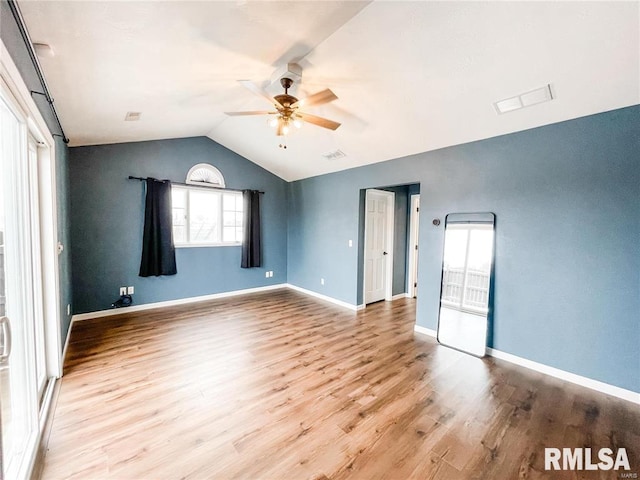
pixel 266 274
pixel 322 281
pixel 130 290
pixel 68 309
pixel 271 273
pixel 350 243
pixel 123 291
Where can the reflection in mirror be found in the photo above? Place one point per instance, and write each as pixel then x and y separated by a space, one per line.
pixel 466 278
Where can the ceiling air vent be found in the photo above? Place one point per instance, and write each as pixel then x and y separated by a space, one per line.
pixel 335 155
pixel 524 100
pixel 132 116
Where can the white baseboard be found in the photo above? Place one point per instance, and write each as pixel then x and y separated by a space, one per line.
pixel 182 301
pixel 171 303
pixel 425 331
pixel 350 306
pixel 612 390
pixel 399 295
pixel 567 376
pixel 553 372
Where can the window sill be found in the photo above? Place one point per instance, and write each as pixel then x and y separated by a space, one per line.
pixel 206 245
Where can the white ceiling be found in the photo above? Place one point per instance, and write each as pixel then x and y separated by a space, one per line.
pixel 410 76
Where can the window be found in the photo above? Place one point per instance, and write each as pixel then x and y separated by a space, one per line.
pixel 204 217
pixel 466 273
pixel 205 174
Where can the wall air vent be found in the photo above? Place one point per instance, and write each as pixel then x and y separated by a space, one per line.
pixel 44 50
pixel 132 116
pixel 335 155
pixel 533 97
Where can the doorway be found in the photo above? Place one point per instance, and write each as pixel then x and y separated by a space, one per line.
pixel 399 274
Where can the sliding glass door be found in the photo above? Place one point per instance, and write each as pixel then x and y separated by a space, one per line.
pixel 22 343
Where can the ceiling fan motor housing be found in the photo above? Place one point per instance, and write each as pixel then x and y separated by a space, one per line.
pixel 285 100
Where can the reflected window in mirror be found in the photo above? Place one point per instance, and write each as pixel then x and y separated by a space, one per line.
pixel 466 280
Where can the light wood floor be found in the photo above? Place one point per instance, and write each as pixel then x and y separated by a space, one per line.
pixel 279 385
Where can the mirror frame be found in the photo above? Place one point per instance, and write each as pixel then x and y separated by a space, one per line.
pixel 462 218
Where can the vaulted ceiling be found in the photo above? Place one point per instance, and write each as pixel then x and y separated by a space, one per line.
pixel 410 76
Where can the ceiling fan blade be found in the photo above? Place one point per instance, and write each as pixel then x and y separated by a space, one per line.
pixel 249 85
pixel 253 112
pixel 319 121
pixel 325 96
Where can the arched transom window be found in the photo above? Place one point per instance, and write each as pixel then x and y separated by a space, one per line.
pixel 203 173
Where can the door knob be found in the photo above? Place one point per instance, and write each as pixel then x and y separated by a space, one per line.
pixel 385 253
pixel 5 351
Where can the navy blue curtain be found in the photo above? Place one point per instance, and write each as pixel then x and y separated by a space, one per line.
pixel 158 251
pixel 251 229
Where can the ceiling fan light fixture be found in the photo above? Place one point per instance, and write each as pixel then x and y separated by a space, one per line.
pixel 287 113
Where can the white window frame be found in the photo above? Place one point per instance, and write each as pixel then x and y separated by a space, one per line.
pixel 217 191
pixel 16 92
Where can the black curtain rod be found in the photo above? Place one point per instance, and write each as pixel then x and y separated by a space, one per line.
pixel 13 6
pixel 131 177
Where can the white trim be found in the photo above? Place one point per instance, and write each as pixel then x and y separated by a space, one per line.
pixel 46 241
pixel 425 331
pixel 602 387
pixel 207 245
pixel 350 306
pixel 170 303
pixel 391 234
pixel 414 223
pixel 523 362
pixel 400 295
pixel 182 301
pixel 66 346
pixel 612 390
pixel 48 208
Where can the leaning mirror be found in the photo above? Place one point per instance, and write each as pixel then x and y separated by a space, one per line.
pixel 467 267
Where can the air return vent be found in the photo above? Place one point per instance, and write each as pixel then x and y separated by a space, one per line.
pixel 335 155
pixel 132 116
pixel 524 100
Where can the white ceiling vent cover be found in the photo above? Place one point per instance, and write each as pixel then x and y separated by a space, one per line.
pixel 132 116
pixel 335 155
pixel 533 97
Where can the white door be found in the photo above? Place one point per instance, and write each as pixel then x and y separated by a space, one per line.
pixel 378 245
pixel 20 298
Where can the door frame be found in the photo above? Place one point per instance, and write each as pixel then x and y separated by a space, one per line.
pixel 38 128
pixel 16 92
pixel 390 233
pixel 414 233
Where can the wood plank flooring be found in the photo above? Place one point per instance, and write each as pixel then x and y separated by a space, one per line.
pixel 280 385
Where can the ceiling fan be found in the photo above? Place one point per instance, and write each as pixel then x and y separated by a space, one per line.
pixel 287 107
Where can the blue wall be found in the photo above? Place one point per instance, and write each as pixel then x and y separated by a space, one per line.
pixel 19 54
pixel 107 212
pixel 566 199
